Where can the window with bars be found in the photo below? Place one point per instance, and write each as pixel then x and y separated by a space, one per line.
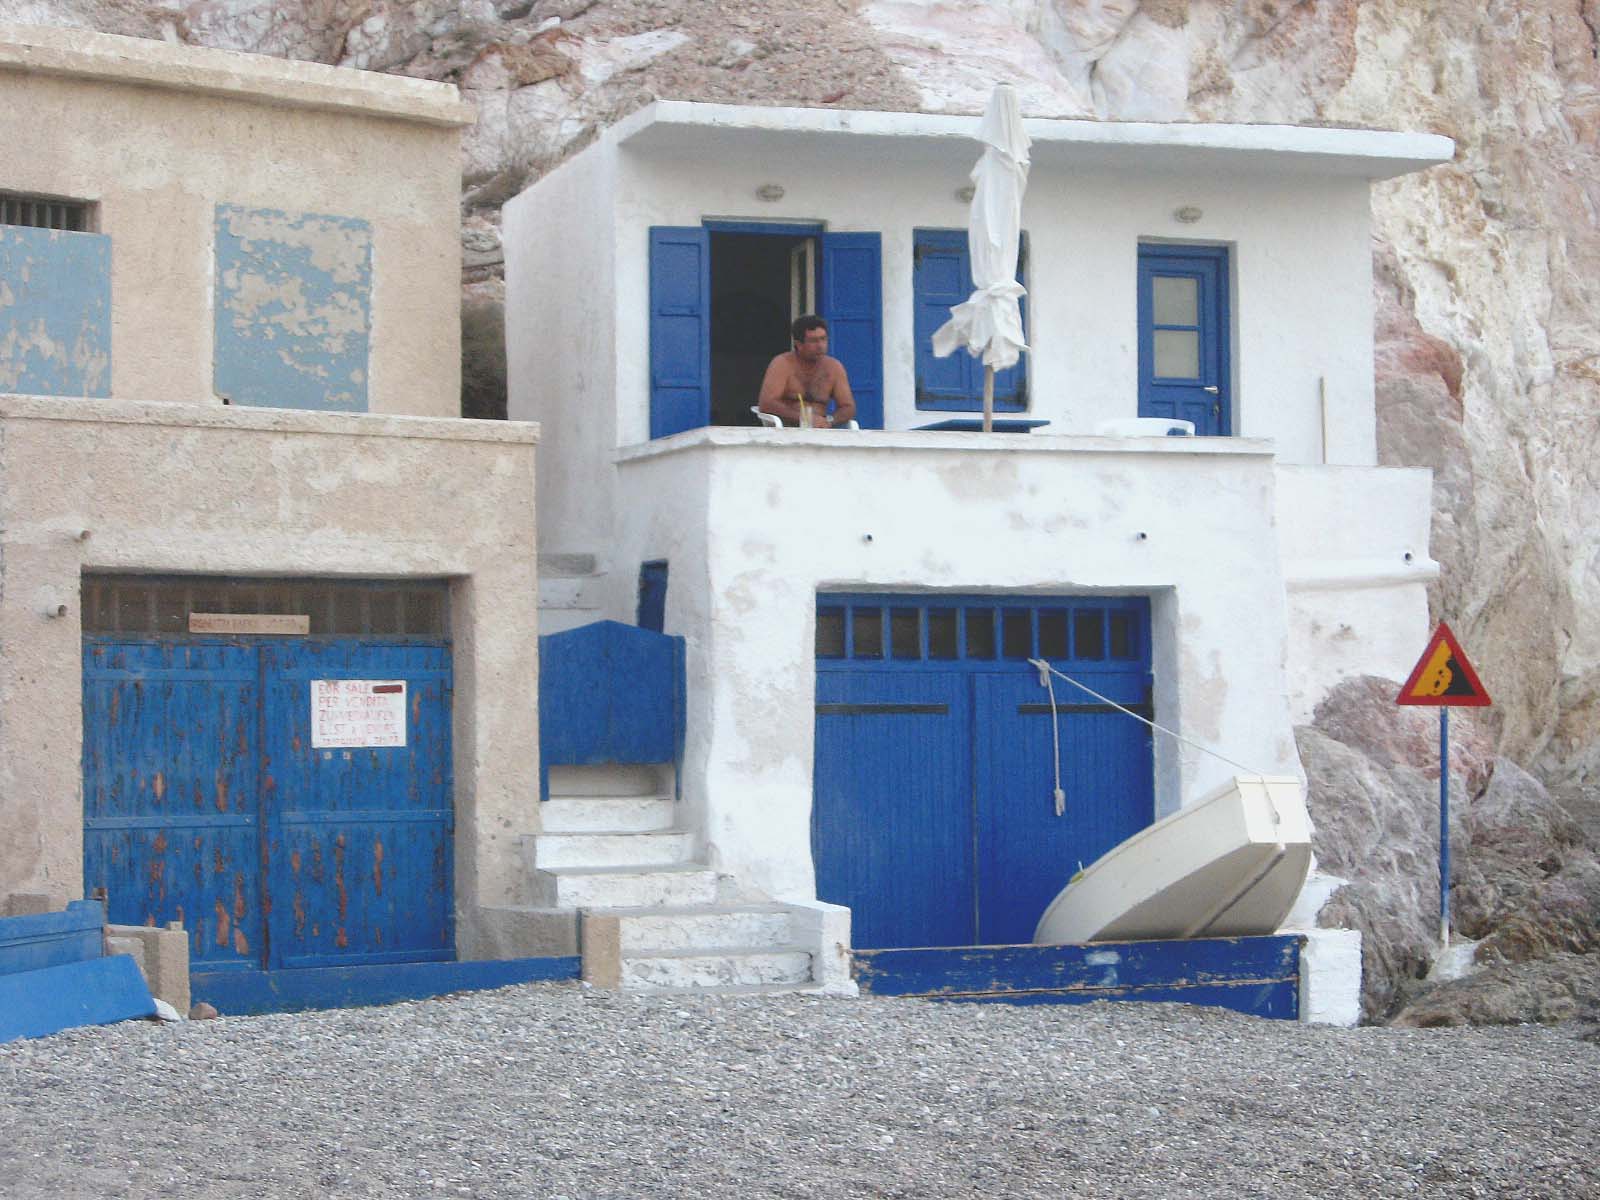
pixel 142 605
pixel 44 212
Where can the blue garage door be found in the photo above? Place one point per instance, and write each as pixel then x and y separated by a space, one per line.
pixel 211 799
pixel 934 815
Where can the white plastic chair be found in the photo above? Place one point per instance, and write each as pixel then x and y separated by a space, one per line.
pixel 774 421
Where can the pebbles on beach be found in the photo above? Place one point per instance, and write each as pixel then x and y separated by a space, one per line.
pixel 555 1090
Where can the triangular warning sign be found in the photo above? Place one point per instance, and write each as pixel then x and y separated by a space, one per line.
pixel 1443 676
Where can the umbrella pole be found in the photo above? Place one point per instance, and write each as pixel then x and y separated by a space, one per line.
pixel 988 399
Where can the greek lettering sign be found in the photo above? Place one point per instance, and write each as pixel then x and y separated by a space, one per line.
pixel 358 712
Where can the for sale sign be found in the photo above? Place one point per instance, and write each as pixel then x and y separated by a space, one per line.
pixel 358 712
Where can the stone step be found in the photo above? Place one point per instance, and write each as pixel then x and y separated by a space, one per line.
pixel 708 927
pixel 646 886
pixel 748 967
pixel 612 779
pixel 656 848
pixel 606 814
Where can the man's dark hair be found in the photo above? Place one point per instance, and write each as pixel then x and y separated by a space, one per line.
pixel 804 325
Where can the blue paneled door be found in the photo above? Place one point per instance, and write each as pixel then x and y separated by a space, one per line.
pixel 934 816
pixel 941 278
pixel 1183 336
pixel 207 801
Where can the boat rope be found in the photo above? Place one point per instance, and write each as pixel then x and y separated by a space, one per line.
pixel 1046 670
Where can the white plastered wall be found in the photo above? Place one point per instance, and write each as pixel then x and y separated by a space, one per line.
pixel 747 562
pixel 177 489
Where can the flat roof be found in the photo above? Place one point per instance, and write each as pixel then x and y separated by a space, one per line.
pixel 681 126
pixel 145 62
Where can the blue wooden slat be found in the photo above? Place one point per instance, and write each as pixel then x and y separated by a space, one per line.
pixel 299 990
pixel 1258 975
pixel 41 940
pixel 169 765
pixel 680 329
pixel 358 842
pixel 610 693
pixel 850 287
pixel 96 991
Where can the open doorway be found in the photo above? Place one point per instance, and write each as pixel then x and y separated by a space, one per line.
pixel 760 281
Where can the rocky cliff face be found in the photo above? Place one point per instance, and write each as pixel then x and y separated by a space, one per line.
pixel 1488 268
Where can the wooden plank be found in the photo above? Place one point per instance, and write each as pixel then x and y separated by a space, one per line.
pixel 235 993
pixel 1272 1000
pixel 96 991
pixel 1103 967
pixel 42 940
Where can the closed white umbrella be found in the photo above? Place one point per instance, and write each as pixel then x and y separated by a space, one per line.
pixel 989 322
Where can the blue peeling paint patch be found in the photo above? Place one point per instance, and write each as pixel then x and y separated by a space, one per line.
pixel 293 310
pixel 55 312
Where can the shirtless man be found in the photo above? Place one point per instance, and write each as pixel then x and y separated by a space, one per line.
pixel 807 373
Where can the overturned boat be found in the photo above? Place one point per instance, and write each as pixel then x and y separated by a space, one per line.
pixel 1229 865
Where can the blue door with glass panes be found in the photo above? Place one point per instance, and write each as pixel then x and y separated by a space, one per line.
pixel 1183 336
pixel 938 755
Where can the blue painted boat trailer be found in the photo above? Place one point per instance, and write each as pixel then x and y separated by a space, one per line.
pixel 1259 976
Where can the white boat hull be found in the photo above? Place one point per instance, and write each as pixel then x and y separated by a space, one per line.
pixel 1229 865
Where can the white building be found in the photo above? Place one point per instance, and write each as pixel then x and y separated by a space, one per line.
pixel 858 606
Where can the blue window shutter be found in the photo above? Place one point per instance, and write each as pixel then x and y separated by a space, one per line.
pixel 941 278
pixel 851 291
pixel 680 329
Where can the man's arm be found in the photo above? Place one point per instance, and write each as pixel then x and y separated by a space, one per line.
pixel 844 400
pixel 773 397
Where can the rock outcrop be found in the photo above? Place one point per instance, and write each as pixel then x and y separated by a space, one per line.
pixel 1525 875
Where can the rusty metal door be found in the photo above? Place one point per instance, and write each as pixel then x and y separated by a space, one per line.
pixel 206 800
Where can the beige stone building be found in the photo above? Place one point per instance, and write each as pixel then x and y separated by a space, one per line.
pixel 267 605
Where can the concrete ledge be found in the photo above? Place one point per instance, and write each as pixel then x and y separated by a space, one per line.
pixel 148 63
pixel 1330 977
pixel 267 420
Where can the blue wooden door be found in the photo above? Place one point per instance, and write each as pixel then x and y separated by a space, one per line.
pixel 934 817
pixel 206 801
pixel 941 278
pixel 850 297
pixel 890 827
pixel 357 841
pixel 1183 336
pixel 680 329
pixel 171 821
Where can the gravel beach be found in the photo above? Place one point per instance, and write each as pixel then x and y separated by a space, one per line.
pixel 555 1090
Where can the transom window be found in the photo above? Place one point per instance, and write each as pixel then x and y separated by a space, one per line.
pixel 44 212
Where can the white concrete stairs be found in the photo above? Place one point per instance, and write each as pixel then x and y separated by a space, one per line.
pixel 652 918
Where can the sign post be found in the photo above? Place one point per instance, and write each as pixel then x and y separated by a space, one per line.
pixel 1444 678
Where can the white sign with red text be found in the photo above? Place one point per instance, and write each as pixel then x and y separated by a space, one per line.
pixel 358 712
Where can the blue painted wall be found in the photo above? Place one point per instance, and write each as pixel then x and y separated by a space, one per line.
pixel 55 312
pixel 293 309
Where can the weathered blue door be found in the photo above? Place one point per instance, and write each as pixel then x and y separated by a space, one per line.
pixel 207 801
pixel 1183 336
pixel 934 815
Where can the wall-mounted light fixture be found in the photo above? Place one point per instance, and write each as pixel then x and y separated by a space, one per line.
pixel 1187 215
pixel 770 192
pixel 965 194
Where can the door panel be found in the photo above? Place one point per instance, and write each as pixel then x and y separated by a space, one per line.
pixel 680 329
pixel 358 840
pixel 1026 853
pixel 170 822
pixel 851 299
pixel 1183 336
pixel 891 818
pixel 941 278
